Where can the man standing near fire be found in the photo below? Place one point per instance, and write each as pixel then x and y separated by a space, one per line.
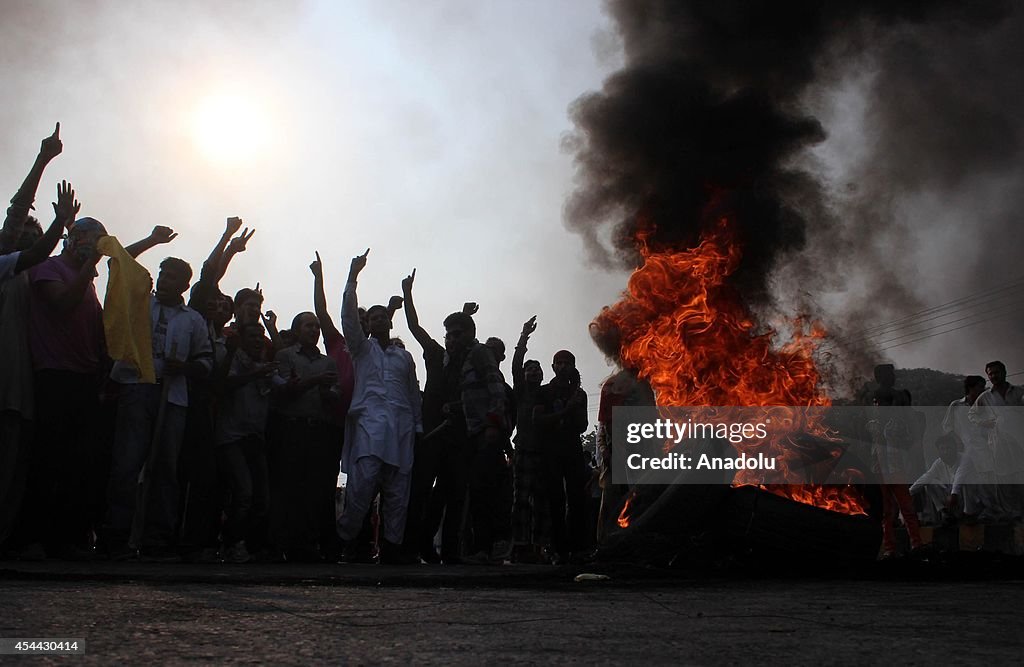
pixel 974 482
pixel 892 440
pixel 1002 427
pixel 559 418
pixel 481 391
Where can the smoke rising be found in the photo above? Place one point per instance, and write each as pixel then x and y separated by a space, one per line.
pixel 733 106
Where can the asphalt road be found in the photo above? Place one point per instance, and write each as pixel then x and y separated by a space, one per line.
pixel 170 619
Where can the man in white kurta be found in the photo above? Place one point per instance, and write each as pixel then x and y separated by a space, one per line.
pixel 998 412
pixel 382 423
pixel 935 484
pixel 975 477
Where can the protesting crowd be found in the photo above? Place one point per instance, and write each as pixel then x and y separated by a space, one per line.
pixel 179 422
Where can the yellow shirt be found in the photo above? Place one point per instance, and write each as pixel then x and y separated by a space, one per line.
pixel 126 310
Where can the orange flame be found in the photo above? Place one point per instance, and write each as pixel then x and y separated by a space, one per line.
pixel 693 339
pixel 624 514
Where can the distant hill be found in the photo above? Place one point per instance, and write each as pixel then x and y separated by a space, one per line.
pixel 926 386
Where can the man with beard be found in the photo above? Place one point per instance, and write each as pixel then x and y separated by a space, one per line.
pixel 382 423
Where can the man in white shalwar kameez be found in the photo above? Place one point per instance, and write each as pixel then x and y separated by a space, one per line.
pixel 975 477
pixel 998 412
pixel 382 423
pixel 935 484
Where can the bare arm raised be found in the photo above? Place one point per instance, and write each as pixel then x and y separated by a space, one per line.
pixel 21 202
pixel 350 326
pixel 411 316
pixel 237 245
pixel 212 271
pixel 158 236
pixel 323 314
pixel 64 211
pixel 520 354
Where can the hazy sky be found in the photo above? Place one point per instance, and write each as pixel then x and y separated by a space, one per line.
pixel 429 132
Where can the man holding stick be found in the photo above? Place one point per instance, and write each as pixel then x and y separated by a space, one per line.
pixel 151 420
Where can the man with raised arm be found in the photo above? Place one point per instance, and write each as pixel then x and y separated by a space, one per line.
pixel 216 265
pixel 16 387
pixel 69 357
pixel 21 203
pixel 482 405
pixel 530 512
pixel 444 453
pixel 382 422
pixel 200 522
pixel 330 466
pixel 435 455
pixel 22 241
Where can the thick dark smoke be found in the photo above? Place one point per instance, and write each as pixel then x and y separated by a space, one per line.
pixel 944 133
pixel 715 107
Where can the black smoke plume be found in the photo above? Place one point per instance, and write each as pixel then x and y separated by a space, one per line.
pixel 711 114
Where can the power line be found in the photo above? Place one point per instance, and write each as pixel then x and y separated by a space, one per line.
pixel 939 316
pixel 964 326
pixel 944 324
pixel 1013 284
pixel 959 305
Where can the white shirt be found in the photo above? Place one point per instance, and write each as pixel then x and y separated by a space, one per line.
pixel 177 328
pixel 385 413
pixel 940 474
pixel 1001 419
pixel 973 437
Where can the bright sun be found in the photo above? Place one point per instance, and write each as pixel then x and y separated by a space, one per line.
pixel 230 128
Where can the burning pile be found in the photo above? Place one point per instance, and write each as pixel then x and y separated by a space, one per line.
pixel 689 156
pixel 691 337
